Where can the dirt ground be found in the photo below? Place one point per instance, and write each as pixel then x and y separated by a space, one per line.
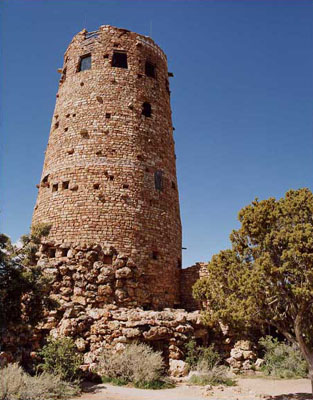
pixel 246 389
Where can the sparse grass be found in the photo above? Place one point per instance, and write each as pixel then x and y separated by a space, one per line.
pixel 218 375
pixel 15 384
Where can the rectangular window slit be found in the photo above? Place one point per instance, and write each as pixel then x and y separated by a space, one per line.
pixel 149 69
pixel 55 187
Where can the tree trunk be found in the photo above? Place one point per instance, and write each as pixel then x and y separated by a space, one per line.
pixel 304 348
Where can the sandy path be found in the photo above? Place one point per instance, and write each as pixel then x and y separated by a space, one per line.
pixel 247 389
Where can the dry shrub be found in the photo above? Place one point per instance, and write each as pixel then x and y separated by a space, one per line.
pixel 137 363
pixel 15 384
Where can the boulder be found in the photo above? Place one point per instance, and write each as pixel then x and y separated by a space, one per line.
pixel 178 368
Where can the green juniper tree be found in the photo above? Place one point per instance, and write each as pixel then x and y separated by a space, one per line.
pixel 23 287
pixel 267 275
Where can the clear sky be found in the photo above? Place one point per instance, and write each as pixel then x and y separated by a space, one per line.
pixel 241 100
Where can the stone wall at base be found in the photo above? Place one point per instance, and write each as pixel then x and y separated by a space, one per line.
pixel 113 327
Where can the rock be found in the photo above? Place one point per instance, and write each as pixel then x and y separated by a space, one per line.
pixel 120 294
pixel 131 332
pixel 123 273
pixel 157 333
pixel 248 355
pixel 259 363
pixel 79 299
pixel 243 345
pixel 208 390
pixel 236 353
pixel 80 344
pixel 178 368
pixel 104 290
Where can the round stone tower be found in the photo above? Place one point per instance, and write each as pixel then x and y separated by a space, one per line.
pixel 109 184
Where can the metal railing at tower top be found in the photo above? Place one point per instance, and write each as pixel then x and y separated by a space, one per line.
pixel 93 34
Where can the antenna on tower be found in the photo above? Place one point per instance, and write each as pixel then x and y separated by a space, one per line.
pixel 150 32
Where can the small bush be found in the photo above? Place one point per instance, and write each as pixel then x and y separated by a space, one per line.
pixel 17 385
pixel 138 364
pixel 196 354
pixel 282 360
pixel 60 357
pixel 218 375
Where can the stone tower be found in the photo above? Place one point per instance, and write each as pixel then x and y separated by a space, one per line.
pixel 108 185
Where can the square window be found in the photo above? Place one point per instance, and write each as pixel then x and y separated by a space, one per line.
pixel 65 185
pixel 55 187
pixel 51 252
pixel 85 63
pixel 119 59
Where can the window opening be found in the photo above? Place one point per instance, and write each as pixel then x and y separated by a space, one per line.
pixel 173 185
pixel 146 109
pixel 52 253
pixel 64 252
pixel 107 259
pixel 154 255
pixel 108 115
pixel 65 185
pixel 84 63
pixel 55 187
pixel 125 186
pixel 119 59
pixel 96 185
pixel 158 180
pixel 150 69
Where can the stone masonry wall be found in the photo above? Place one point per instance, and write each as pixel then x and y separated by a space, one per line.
pixel 188 278
pixel 109 174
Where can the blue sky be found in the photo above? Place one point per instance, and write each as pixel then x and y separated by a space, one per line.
pixel 241 100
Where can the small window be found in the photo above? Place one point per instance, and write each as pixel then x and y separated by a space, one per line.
pixel 65 185
pixel 146 109
pixel 111 177
pixel 125 186
pixel 64 252
pixel 119 59
pixel 55 187
pixel 107 115
pixel 85 63
pixel 150 69
pixel 158 180
pixel 96 186
pixel 173 185
pixel 51 253
pixel 155 255
pixel 107 259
